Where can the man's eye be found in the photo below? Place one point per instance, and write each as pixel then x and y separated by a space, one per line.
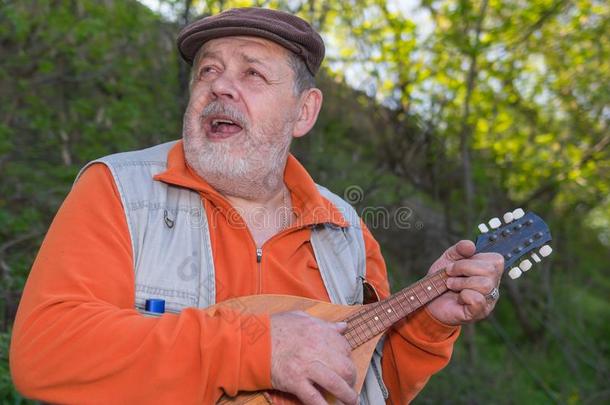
pixel 254 73
pixel 207 69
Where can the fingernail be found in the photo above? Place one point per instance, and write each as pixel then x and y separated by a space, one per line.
pixel 341 325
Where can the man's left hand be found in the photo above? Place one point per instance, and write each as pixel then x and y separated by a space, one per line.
pixel 471 278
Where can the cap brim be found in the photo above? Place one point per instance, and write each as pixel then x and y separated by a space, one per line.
pixel 190 43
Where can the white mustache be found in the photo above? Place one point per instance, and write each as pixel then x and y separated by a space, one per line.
pixel 217 108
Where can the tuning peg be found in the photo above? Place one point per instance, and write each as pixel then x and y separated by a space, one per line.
pixel 518 213
pixel 545 250
pixel 536 258
pixel 514 273
pixel 525 265
pixel 495 223
pixel 483 228
pixel 508 217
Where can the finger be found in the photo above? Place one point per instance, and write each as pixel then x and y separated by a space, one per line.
pixel 341 326
pixel 475 306
pixel 333 383
pixel 345 368
pixel 472 267
pixel 495 258
pixel 461 250
pixel 309 395
pixel 482 284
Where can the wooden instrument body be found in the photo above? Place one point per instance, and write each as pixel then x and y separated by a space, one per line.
pixel 271 304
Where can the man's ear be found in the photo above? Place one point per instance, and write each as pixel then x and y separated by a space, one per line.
pixel 311 102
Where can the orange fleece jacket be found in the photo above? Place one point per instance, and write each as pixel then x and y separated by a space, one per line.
pixel 78 338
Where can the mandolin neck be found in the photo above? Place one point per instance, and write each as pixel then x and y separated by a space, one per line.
pixel 374 319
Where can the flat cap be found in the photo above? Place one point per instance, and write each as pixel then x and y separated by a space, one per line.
pixel 285 29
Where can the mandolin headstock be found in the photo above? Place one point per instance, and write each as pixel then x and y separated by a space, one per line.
pixel 516 236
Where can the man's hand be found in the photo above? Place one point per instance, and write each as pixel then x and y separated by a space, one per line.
pixel 472 277
pixel 307 352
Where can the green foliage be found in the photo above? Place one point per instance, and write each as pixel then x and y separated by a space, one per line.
pixel 78 80
pixel 8 395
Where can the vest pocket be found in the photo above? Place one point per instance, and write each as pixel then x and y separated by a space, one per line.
pixel 175 300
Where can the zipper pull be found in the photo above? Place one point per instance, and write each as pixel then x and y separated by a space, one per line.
pixel 259 255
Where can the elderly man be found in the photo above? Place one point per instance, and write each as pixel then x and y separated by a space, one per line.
pixel 224 213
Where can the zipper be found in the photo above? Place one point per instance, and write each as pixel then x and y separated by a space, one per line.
pixel 259 259
pixel 259 255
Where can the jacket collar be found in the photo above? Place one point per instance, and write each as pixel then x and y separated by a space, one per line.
pixel 310 207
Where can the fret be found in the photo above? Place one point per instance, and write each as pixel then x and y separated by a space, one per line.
pixel 366 324
pixel 423 292
pixel 402 309
pixel 434 279
pixel 416 296
pixel 356 337
pixel 359 327
pixel 428 288
pixel 351 340
pixel 355 320
pixel 368 332
pixel 360 317
pixel 404 299
pixel 426 291
pixel 400 306
pixel 394 315
pixel 377 322
pixel 408 301
pixel 373 326
pixel 351 332
pixel 410 296
pixel 386 313
pixel 358 331
pixel 441 279
pixel 390 313
pixel 370 321
pixel 384 316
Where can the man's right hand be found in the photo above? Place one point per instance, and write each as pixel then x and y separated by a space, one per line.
pixel 307 352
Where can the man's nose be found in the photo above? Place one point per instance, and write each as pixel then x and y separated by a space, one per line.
pixel 224 86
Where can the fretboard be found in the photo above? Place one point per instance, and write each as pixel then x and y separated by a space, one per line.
pixel 374 319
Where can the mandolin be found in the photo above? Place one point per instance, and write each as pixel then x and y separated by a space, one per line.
pixel 517 236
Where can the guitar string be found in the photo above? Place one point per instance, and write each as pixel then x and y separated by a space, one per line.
pixel 364 321
pixel 435 277
pixel 363 317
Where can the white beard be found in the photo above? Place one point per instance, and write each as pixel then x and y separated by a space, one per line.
pixel 251 168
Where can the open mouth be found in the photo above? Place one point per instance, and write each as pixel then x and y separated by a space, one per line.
pixel 222 127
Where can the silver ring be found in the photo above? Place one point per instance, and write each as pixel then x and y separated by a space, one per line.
pixel 493 295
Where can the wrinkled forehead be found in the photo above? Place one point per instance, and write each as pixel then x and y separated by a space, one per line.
pixel 245 47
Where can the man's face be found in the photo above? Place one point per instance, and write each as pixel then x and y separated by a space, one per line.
pixel 240 118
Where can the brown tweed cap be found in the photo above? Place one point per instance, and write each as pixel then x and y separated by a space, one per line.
pixel 286 29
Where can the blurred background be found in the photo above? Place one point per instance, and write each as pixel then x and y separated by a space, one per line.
pixel 444 112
